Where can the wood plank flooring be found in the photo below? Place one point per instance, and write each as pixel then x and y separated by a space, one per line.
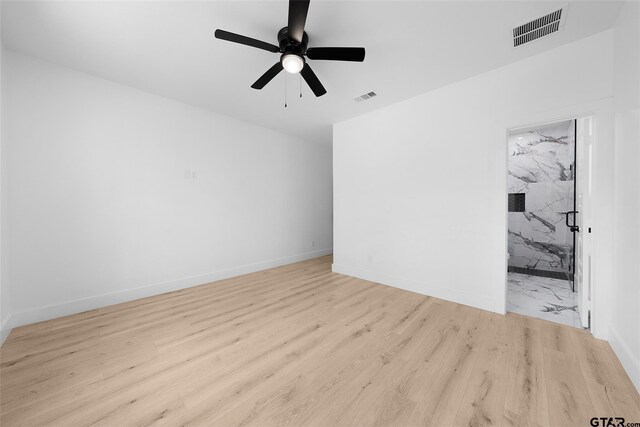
pixel 302 346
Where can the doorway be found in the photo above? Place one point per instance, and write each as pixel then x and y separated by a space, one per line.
pixel 548 169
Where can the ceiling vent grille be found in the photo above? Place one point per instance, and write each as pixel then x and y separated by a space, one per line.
pixel 365 96
pixel 540 27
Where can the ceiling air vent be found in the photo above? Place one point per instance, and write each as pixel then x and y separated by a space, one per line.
pixel 543 26
pixel 365 96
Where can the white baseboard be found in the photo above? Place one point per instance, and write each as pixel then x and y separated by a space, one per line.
pixel 425 288
pixel 629 361
pixel 77 306
pixel 5 328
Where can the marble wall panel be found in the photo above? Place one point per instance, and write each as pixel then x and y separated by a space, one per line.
pixel 541 166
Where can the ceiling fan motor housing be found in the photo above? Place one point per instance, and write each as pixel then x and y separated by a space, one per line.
pixel 288 45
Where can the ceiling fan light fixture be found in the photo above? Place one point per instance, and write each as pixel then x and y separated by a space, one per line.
pixel 292 63
pixel 292 48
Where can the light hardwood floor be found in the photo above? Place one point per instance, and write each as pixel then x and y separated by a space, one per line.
pixel 299 345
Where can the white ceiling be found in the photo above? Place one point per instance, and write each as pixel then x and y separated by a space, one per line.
pixel 168 48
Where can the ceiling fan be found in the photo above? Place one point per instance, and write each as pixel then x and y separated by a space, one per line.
pixel 292 41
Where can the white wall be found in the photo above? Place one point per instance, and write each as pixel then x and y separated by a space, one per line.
pixel 625 325
pixel 420 186
pixel 99 206
pixel 4 291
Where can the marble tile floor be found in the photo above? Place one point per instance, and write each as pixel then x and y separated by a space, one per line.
pixel 543 298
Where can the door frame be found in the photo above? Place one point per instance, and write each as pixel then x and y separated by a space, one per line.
pixel 581 202
pixel 601 201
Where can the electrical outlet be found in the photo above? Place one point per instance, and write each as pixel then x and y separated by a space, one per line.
pixel 313 243
pixel 370 259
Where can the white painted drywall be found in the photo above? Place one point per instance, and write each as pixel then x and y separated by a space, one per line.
pixel 115 194
pixel 4 291
pixel 625 323
pixel 420 186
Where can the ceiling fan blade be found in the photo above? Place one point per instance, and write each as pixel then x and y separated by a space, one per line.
pixel 297 17
pixel 268 76
pixel 248 41
pixel 312 80
pixel 336 53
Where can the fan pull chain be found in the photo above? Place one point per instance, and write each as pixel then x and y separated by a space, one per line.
pixel 285 90
pixel 300 75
